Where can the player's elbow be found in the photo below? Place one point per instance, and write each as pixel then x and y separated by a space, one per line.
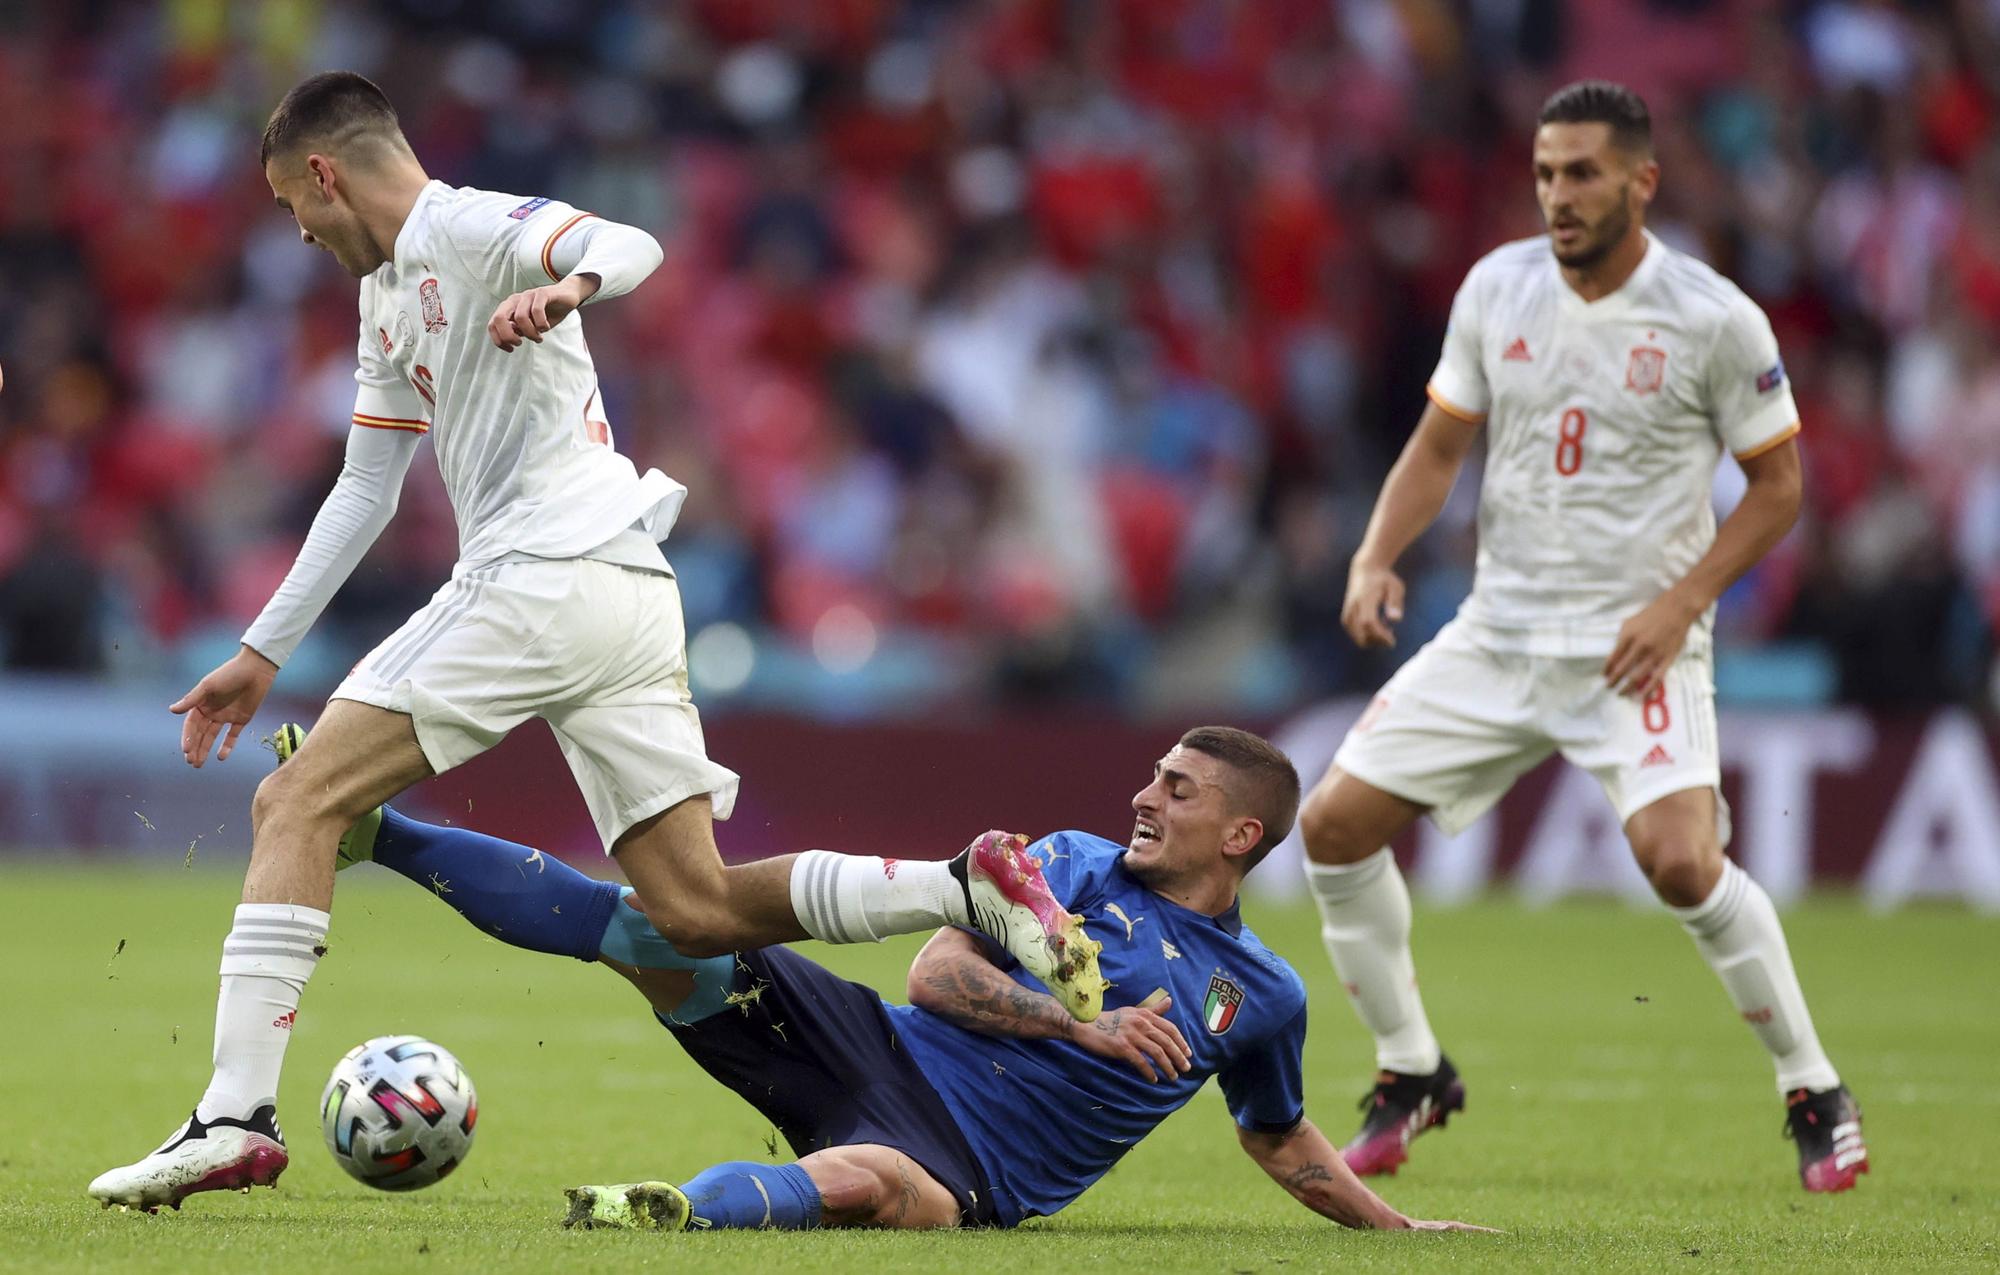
pixel 921 986
pixel 932 971
pixel 1263 1145
pixel 641 253
pixel 1258 1146
pixel 374 496
pixel 649 252
pixel 1788 497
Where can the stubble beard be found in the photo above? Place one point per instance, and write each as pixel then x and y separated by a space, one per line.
pixel 1611 231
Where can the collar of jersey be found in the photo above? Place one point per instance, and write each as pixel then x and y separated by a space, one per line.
pixel 1229 920
pixel 406 237
pixel 1621 299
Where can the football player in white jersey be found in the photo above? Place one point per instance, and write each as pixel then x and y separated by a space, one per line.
pixel 1607 373
pixel 561 607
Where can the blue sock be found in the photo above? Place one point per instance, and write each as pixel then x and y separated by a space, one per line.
pixel 518 895
pixel 745 1194
pixel 630 938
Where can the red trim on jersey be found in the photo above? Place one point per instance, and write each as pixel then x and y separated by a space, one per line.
pixel 1450 408
pixel 1779 439
pixel 391 422
pixel 548 265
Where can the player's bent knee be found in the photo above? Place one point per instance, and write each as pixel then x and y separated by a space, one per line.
pixel 291 794
pixel 281 799
pixel 270 798
pixel 1682 872
pixel 1330 828
pixel 694 930
pixel 877 1186
pixel 851 1191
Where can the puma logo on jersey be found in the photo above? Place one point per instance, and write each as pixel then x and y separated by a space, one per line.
pixel 1658 757
pixel 1518 352
pixel 1129 921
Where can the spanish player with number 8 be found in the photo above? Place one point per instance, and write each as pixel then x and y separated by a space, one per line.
pixel 1607 372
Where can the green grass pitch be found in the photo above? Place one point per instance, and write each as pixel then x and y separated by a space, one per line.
pixel 1620 1118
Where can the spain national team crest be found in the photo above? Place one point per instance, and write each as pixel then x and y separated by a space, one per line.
pixel 1224 999
pixel 1646 371
pixel 427 292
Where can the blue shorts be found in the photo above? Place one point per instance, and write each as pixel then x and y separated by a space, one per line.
pixel 818 1056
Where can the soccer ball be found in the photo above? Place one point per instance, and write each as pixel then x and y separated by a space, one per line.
pixel 398 1112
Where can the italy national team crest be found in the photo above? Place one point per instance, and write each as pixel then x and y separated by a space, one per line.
pixel 427 292
pixel 1647 370
pixel 1224 999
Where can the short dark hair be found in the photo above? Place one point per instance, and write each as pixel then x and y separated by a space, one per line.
pixel 1602 102
pixel 334 107
pixel 1268 790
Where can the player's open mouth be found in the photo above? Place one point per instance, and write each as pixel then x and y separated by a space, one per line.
pixel 1144 832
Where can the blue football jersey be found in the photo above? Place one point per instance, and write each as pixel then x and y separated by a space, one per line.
pixel 1046 1118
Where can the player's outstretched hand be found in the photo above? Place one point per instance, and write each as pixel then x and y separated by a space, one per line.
pixel 1143 1039
pixel 1421 1224
pixel 228 697
pixel 1648 644
pixel 1374 602
pixel 526 315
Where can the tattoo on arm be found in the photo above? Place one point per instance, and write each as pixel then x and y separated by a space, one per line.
pixel 906 1194
pixel 1303 1177
pixel 979 997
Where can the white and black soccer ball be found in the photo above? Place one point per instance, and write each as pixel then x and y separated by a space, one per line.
pixel 398 1112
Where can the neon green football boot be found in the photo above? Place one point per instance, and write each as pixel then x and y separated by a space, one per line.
pixel 358 844
pixel 638 1206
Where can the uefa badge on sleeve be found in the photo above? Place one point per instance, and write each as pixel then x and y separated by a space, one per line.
pixel 1224 999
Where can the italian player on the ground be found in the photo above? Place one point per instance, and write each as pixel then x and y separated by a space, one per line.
pixel 982 1102
pixel 1607 374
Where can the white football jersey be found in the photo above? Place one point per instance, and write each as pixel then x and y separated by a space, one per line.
pixel 1605 421
pixel 522 439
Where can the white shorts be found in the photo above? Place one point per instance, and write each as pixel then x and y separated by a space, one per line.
pixel 596 650
pixel 1459 723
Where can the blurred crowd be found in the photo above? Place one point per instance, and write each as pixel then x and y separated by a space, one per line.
pixel 1012 350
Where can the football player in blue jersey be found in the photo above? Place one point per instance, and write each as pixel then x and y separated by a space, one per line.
pixel 911 1115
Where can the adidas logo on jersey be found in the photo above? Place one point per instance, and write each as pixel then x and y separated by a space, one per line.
pixel 1658 757
pixel 1518 352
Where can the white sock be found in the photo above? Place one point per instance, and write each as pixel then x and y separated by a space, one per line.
pixel 860 898
pixel 266 960
pixel 1736 930
pixel 1364 913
